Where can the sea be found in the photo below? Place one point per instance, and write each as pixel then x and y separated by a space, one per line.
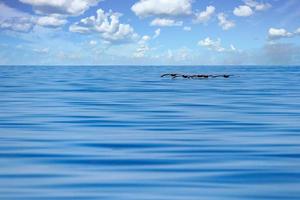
pixel 126 133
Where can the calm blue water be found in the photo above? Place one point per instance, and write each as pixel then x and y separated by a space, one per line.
pixel 124 133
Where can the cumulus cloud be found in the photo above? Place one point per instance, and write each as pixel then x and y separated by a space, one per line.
pixel 232 47
pixel 214 45
pixel 143 47
pixel 143 44
pixel 141 51
pixel 243 11
pixel 165 22
pixel 108 25
pixel 93 42
pixel 144 8
pixel 204 16
pixel 50 21
pixel 250 7
pixel 20 24
pixel 275 34
pixel 64 7
pixel 156 33
pixel 258 6
pixel 145 39
pixel 14 20
pixel 224 22
pixel 211 44
pixel 187 28
pixel 41 50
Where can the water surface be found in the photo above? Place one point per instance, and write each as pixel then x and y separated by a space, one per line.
pixel 124 133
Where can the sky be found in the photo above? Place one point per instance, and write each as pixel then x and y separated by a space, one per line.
pixel 149 32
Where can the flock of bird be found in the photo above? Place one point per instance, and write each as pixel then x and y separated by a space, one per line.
pixel 195 76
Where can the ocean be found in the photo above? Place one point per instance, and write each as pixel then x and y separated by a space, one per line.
pixel 125 133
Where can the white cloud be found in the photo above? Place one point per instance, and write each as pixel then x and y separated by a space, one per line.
pixel 14 20
pixel 156 33
pixel 93 42
pixel 275 34
pixel 50 21
pixel 243 11
pixel 42 50
pixel 141 51
pixel 143 47
pixel 211 44
pixel 250 7
pixel 17 24
pixel 215 45
pixel 165 22
pixel 64 7
pixel 224 22
pixel 108 25
pixel 145 8
pixel 144 39
pixel 182 55
pixel 62 55
pixel 187 28
pixel 204 16
pixel 258 6
pixel 232 47
pixel 297 31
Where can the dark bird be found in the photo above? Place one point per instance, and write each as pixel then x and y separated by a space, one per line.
pixel 205 76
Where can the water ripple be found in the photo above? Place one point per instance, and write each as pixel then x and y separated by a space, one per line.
pixel 73 133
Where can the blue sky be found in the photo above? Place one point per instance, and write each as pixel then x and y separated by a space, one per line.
pixel 149 32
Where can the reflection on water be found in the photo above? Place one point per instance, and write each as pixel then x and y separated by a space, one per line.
pixel 125 133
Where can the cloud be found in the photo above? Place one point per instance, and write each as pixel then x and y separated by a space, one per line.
pixel 281 53
pixel 250 7
pixel 63 7
pixel 179 56
pixel 257 6
pixel 14 20
pixel 50 21
pixel 187 28
pixel 280 33
pixel 211 44
pixel 224 22
pixel 165 22
pixel 144 8
pixel 156 33
pixel 42 50
pixel 69 55
pixel 143 47
pixel 243 11
pixel 145 39
pixel 275 34
pixel 141 51
pixel 204 16
pixel 93 42
pixel 214 45
pixel 232 47
pixel 107 25
pixel 21 24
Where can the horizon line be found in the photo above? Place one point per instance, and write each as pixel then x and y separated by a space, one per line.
pixel 136 65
